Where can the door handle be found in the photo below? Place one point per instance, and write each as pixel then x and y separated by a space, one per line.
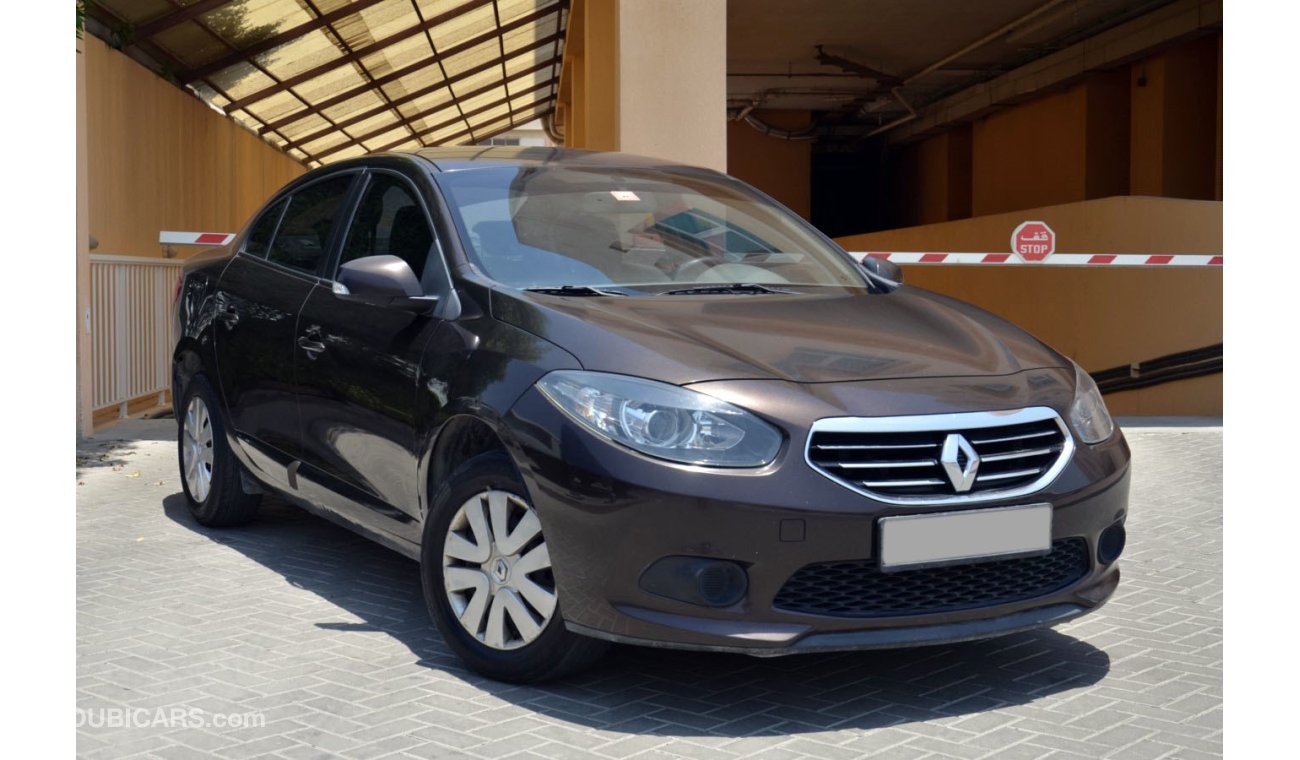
pixel 229 315
pixel 309 343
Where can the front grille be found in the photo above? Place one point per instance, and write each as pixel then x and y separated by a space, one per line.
pixel 898 459
pixel 858 589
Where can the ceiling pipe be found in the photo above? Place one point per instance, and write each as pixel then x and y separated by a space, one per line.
pixel 554 132
pixel 986 39
pixel 807 133
pixel 1144 27
pixel 745 111
pixel 911 114
pixel 1047 20
pixel 746 115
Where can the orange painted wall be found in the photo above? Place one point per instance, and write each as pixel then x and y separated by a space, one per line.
pixel 1148 128
pixel 1101 317
pixel 1151 128
pixel 1033 154
pixel 924 181
pixel 780 168
pixel 159 159
pixel 1106 151
pixel 932 178
pixel 1193 99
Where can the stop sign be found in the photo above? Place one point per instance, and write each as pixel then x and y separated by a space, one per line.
pixel 1033 241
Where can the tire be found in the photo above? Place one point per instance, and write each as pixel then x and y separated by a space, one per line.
pixel 496 578
pixel 212 488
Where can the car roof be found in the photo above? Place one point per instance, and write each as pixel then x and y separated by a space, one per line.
pixel 481 157
pixel 459 159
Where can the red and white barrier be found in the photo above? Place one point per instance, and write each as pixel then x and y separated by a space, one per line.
pixel 1055 259
pixel 167 237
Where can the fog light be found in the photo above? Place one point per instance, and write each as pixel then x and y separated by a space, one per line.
pixel 1111 544
pixel 697 580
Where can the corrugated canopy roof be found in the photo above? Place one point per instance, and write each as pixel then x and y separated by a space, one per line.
pixel 330 79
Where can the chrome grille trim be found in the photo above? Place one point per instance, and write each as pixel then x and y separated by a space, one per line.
pixel 1008 439
pixel 903 446
pixel 883 465
pixel 1033 457
pixel 1021 454
pixel 901 483
pixel 1008 475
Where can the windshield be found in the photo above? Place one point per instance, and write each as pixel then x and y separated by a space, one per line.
pixel 651 229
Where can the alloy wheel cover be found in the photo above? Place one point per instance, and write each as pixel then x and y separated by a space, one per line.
pixel 196 449
pixel 496 570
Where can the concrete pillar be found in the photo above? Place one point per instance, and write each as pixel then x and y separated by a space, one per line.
pixel 647 77
pixel 600 74
pixel 85 417
pixel 672 85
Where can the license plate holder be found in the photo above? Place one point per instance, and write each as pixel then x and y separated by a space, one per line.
pixel 910 542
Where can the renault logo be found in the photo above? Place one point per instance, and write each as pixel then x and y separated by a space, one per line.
pixel 960 461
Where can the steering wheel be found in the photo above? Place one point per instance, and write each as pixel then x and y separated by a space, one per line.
pixel 691 270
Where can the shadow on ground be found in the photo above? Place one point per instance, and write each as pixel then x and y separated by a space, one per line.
pixel 636 690
pixel 114 454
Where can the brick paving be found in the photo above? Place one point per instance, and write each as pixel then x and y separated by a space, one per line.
pixel 308 642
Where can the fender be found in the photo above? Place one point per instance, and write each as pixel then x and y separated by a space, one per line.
pixel 453 391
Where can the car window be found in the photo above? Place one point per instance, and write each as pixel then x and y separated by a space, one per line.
pixel 304 232
pixel 650 228
pixel 389 221
pixel 259 237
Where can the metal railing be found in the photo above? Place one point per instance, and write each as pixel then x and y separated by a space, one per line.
pixel 132 332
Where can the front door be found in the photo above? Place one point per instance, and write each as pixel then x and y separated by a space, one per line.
pixel 258 299
pixel 358 370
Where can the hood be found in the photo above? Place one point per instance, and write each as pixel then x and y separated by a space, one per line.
pixel 817 337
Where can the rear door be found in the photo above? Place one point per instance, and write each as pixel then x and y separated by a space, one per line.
pixel 258 299
pixel 359 383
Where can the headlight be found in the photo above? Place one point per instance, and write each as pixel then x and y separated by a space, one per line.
pixel 663 420
pixel 1088 412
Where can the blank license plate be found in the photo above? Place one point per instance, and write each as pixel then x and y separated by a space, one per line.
pixel 950 538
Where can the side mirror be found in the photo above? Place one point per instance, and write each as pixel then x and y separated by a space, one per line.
pixel 382 281
pixel 883 273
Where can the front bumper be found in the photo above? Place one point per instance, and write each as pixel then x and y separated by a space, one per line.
pixel 609 514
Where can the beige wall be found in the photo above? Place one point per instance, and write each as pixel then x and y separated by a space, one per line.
pixel 647 77
pixel 159 159
pixel 1101 317
pixel 672 87
pixel 780 168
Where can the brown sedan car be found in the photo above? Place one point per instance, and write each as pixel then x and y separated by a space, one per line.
pixel 605 398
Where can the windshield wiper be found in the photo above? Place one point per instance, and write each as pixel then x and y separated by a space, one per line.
pixel 575 290
pixel 725 289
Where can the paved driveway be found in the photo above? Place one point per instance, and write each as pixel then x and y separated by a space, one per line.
pixel 293 638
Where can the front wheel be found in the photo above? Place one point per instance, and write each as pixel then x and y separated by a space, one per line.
pixel 488 581
pixel 210 474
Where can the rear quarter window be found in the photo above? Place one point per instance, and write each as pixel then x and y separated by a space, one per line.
pixel 304 234
pixel 263 230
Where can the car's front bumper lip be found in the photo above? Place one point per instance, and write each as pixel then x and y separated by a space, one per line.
pixel 775 640
pixel 610 513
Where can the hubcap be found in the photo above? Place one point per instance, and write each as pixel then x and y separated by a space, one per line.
pixel 497 570
pixel 196 449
